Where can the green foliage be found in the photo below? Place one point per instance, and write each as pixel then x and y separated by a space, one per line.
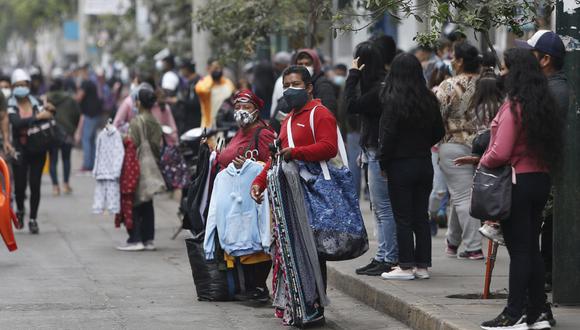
pixel 238 27
pixel 25 17
pixel 480 15
pixel 171 26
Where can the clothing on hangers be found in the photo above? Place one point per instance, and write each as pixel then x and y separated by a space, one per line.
pixel 242 225
pixel 107 170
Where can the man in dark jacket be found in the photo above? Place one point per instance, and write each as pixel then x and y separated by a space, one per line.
pixel 323 88
pixel 550 51
pixel 67 118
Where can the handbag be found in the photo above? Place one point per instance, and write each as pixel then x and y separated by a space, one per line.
pixel 491 195
pixel 41 136
pixel 332 204
pixel 173 167
pixel 151 181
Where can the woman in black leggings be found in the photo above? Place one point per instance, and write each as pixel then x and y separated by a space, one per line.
pixel 526 134
pixel 23 112
pixel 410 125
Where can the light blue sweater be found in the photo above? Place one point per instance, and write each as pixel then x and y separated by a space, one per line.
pixel 243 226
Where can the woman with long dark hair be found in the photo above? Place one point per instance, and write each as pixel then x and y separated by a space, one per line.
pixel 410 125
pixel 526 133
pixel 362 93
pixel 455 95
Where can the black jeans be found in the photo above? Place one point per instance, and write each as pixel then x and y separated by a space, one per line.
pixel 410 183
pixel 521 233
pixel 257 274
pixel 547 245
pixel 27 170
pixel 65 150
pixel 143 223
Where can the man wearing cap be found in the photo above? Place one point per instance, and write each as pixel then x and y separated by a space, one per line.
pixel 550 51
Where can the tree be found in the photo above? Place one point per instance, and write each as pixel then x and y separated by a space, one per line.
pixel 238 27
pixel 170 22
pixel 24 17
pixel 481 15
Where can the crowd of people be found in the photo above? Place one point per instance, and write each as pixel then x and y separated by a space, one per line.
pixel 416 126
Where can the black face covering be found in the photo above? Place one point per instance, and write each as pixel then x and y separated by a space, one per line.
pixel 296 98
pixel 217 75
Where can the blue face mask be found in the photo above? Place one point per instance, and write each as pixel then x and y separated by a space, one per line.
pixel 21 91
pixel 296 98
pixel 339 80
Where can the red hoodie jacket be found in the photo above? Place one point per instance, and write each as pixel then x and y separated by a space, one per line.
pixel 306 149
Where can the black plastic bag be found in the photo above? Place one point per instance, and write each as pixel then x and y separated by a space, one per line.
pixel 211 283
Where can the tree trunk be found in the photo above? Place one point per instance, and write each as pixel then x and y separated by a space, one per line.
pixel 487 40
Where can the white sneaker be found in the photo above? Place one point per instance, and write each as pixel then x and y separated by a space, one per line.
pixel 149 246
pixel 132 247
pixel 422 273
pixel 493 232
pixel 399 274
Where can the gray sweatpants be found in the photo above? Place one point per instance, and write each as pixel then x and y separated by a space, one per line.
pixel 462 227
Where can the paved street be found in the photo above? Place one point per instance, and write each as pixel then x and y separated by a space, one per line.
pixel 70 277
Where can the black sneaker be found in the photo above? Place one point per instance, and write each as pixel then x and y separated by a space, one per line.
pixel 20 218
pixel 471 255
pixel 257 295
pixel 381 267
pixel 33 226
pixel 260 295
pixel 505 322
pixel 547 314
pixel 541 323
pixel 317 320
pixel 362 270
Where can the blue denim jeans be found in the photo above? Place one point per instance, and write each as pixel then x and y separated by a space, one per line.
pixel 88 139
pixel 353 150
pixel 439 197
pixel 388 250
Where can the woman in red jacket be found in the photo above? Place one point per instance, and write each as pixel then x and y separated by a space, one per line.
pixel 252 140
pixel 526 134
pixel 298 94
pixel 321 147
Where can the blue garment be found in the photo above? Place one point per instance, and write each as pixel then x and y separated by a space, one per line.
pixel 243 227
pixel 88 141
pixel 388 250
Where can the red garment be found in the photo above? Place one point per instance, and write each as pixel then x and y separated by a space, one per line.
pixel 326 146
pixel 243 141
pixel 247 96
pixel 129 179
pixel 508 144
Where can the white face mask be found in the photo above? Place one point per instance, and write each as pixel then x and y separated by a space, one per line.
pixel 7 92
pixel 310 70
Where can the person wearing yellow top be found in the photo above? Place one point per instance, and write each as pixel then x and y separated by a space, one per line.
pixel 212 91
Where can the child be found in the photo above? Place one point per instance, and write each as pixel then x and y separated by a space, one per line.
pixel 485 103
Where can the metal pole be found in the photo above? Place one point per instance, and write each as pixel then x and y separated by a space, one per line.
pixel 82 32
pixel 566 254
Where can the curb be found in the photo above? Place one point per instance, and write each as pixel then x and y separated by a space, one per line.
pixel 406 308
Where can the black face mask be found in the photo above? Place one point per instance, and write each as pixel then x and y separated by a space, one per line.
pixel 296 98
pixel 217 75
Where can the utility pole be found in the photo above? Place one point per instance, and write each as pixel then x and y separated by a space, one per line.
pixel 199 41
pixel 566 263
pixel 82 32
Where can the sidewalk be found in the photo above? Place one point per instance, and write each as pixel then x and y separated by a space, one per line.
pixel 424 304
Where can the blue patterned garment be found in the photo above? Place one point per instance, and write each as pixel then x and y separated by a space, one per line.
pixel 334 212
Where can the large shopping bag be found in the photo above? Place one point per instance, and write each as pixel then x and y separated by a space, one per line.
pixel 333 205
